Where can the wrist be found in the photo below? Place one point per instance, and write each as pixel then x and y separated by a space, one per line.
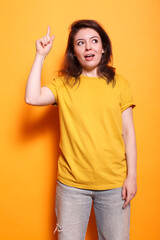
pixel 132 175
pixel 40 58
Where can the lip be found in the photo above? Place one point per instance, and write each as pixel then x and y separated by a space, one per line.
pixel 89 57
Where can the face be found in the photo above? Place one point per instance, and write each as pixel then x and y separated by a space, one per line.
pixel 88 49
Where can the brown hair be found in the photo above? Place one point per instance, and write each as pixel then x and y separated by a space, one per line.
pixel 72 68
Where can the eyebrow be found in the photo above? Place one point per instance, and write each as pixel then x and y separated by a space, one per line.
pixel 90 38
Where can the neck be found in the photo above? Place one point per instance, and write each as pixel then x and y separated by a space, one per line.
pixel 90 73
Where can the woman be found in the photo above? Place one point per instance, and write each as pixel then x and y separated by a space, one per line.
pixel 97 163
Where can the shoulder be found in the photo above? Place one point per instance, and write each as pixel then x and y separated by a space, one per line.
pixel 63 80
pixel 57 81
pixel 120 80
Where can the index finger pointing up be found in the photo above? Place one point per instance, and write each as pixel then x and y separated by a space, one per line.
pixel 48 31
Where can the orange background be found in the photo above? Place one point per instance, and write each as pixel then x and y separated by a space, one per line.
pixel 30 135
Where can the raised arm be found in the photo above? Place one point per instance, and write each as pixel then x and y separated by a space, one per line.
pixel 130 186
pixel 35 94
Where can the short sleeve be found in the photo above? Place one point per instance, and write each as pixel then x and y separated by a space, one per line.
pixel 126 95
pixel 53 86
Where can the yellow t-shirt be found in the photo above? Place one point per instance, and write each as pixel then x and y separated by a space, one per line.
pixel 92 148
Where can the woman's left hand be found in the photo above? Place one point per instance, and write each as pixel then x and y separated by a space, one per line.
pixel 129 190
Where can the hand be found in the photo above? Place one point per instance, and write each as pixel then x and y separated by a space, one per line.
pixel 129 190
pixel 44 45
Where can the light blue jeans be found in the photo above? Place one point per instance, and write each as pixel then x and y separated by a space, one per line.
pixel 73 207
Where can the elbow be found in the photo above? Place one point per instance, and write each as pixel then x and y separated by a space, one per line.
pixel 29 101
pixel 33 101
pixel 129 135
pixel 26 100
pixel 125 133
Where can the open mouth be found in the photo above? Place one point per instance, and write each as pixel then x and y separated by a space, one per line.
pixel 89 57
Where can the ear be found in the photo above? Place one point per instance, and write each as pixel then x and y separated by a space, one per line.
pixel 102 50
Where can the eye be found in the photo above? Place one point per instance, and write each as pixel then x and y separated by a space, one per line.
pixel 80 43
pixel 95 40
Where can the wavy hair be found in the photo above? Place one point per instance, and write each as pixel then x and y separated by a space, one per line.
pixel 72 68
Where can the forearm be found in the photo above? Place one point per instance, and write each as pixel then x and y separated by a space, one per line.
pixel 130 184
pixel 33 87
pixel 131 152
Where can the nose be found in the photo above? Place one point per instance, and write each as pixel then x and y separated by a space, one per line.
pixel 88 46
